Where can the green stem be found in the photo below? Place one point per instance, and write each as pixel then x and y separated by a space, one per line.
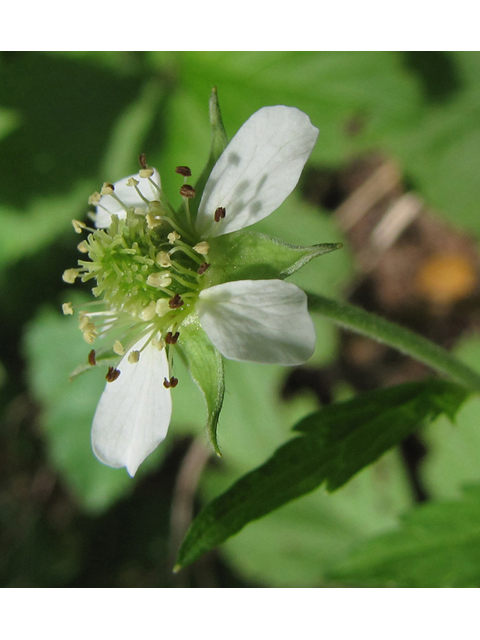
pixel 418 347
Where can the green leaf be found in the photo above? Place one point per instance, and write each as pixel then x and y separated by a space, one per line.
pixel 350 435
pixel 336 443
pixel 247 255
pixel 437 545
pixel 205 365
pixel 453 459
pixel 45 100
pixel 440 146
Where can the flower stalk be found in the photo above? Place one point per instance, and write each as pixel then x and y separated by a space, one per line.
pixel 360 321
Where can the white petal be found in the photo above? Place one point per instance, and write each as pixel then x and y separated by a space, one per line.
pixel 129 196
pixel 258 170
pixel 258 320
pixel 134 411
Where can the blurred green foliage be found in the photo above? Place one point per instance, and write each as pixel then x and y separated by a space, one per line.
pixel 70 121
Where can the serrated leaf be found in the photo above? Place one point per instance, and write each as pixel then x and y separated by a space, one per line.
pixel 247 255
pixel 205 365
pixel 437 545
pixel 333 448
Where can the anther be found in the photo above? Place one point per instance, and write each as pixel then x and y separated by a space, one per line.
pixel 134 357
pixel 78 226
pixel 187 191
pixel 92 361
pixel 70 275
pixel 107 189
pixel 202 248
pixel 184 171
pixel 158 343
pixel 202 268
pixel 118 348
pixel 219 214
pixel 176 302
pixel 67 309
pixel 145 173
pixel 83 247
pixel 148 312
pixel 161 307
pixel 112 374
pixel 170 383
pixel 142 158
pixel 159 279
pixel 152 221
pixel 163 259
pixel 89 336
pixel 171 338
pixel 131 182
pixel 94 199
pixel 173 237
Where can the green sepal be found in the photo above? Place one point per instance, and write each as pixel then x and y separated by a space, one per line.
pixel 248 255
pixel 219 141
pixel 205 365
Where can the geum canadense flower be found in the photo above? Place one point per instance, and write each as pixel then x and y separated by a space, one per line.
pixel 152 266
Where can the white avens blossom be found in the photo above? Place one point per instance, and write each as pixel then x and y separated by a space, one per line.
pixel 149 271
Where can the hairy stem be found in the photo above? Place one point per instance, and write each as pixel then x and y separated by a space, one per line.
pixel 404 340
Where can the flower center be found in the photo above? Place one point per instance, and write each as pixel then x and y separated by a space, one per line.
pixel 147 276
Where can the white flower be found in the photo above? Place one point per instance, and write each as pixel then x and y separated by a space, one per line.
pixel 263 321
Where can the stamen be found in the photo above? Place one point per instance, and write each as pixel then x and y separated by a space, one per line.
pixel 67 309
pixel 118 348
pixel 134 357
pixel 78 226
pixel 187 191
pixel 152 221
pixel 172 383
pixel 91 358
pixel 107 189
pixel 70 275
pixel 184 171
pixel 202 268
pixel 173 237
pixel 181 246
pixel 202 248
pixel 182 281
pixel 139 193
pixel 159 279
pixel 158 343
pixel 131 182
pixel 83 247
pixel 163 259
pixel 171 338
pixel 145 173
pixel 112 374
pixel 149 311
pixel 219 214
pixel 142 158
pixel 176 302
pixel 162 307
pixel 94 199
pixel 89 336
